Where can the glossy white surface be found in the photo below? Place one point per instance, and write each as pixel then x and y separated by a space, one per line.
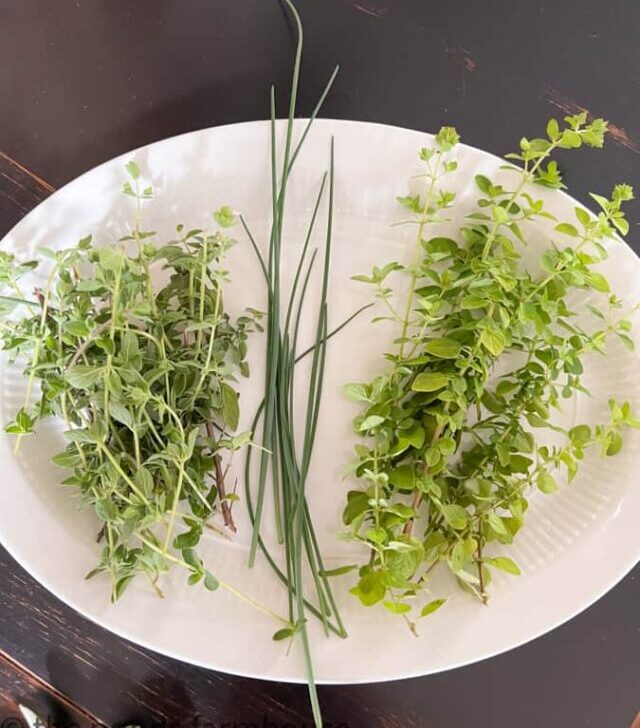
pixel 576 545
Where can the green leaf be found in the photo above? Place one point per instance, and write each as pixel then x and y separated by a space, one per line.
pixel 458 556
pixel 580 434
pixel 504 564
pixel 411 203
pixel 78 435
pixel 120 413
pixel 225 217
pixel 397 607
pixel 455 516
pixel 230 406
pixel 444 348
pixel 483 183
pixel 76 328
pixel 210 581
pixel 583 216
pixel 430 382
pixel 144 480
pixel 370 589
pixel 440 248
pixel 67 459
pixel 357 392
pixel 472 301
pixel 615 444
pixel 567 229
pixel 402 477
pixel 357 503
pixel 499 214
pixel 432 607
pixel 90 285
pixel 369 423
pixel 493 340
pixel 403 562
pixel 83 376
pixel 414 437
pixel 553 130
pixel 132 169
pixel 598 281
pixel 546 482
pixel 284 634
pixel 338 571
pixel 497 524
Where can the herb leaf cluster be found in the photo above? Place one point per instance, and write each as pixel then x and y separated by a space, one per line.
pixel 449 450
pixel 144 377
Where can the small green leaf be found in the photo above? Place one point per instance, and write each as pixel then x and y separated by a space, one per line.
pixel 497 524
pixel 284 634
pixel 225 217
pixel 493 340
pixel 444 348
pixel 504 563
pixel 429 382
pixel 397 607
pixel 83 376
pixel 402 477
pixel 210 581
pixel 132 169
pixel 455 516
pixel 230 406
pixel 567 229
pixel 357 503
pixel 369 423
pixel 120 413
pixel 370 589
pixel 599 282
pixel 546 482
pixel 357 392
pixel 553 130
pixel 339 570
pixel 432 607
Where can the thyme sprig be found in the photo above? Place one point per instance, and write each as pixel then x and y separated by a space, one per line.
pixel 144 376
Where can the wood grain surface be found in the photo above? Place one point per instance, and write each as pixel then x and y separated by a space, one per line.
pixel 84 80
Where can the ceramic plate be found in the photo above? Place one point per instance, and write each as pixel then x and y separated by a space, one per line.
pixel 575 546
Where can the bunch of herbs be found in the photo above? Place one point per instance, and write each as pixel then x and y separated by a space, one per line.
pixel 450 450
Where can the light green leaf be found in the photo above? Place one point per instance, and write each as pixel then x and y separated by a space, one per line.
pixel 370 422
pixel 430 382
pixel 397 607
pixel 567 229
pixel 504 563
pixel 432 607
pixel 546 482
pixel 120 413
pixel 455 516
pixel 133 169
pixel 83 376
pixel 357 392
pixel 444 348
pixel 493 341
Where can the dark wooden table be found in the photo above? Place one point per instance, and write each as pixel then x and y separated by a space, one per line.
pixel 84 80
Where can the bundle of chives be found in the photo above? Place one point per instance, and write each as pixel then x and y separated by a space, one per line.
pixel 288 459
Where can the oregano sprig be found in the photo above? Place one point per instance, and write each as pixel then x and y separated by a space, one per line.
pixel 447 454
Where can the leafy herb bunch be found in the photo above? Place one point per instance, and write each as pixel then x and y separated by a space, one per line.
pixel 449 453
pixel 143 375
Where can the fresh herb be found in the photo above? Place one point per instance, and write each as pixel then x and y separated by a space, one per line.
pixel 287 459
pixel 143 376
pixel 449 450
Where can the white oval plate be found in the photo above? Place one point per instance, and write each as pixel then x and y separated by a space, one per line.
pixel 575 546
